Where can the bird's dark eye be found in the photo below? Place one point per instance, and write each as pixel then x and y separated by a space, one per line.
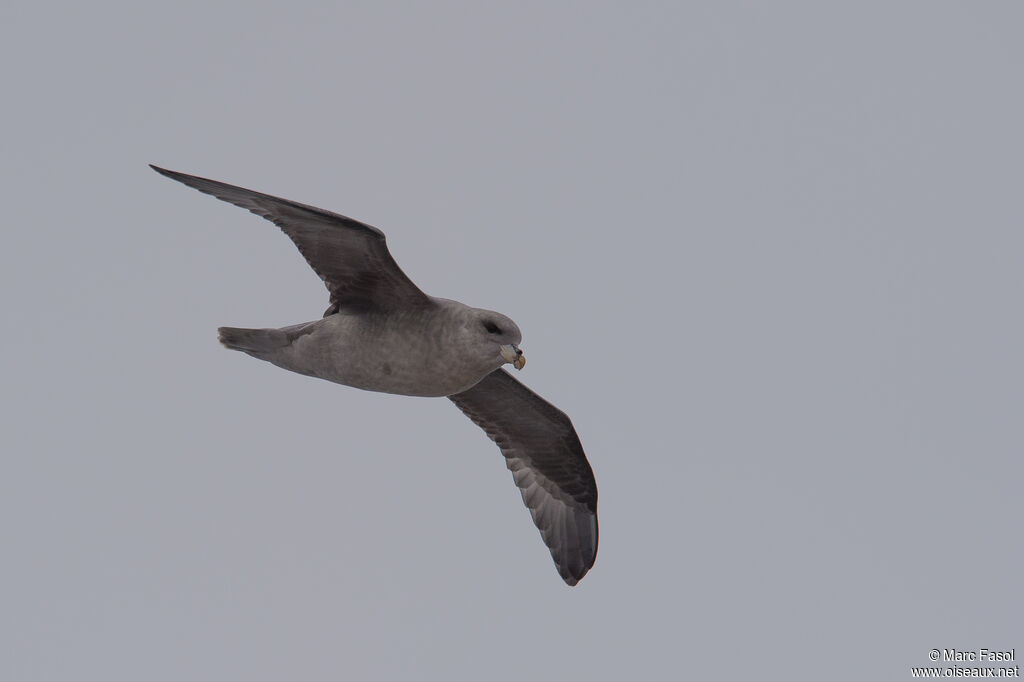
pixel 491 327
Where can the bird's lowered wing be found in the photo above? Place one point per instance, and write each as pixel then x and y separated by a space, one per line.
pixel 546 459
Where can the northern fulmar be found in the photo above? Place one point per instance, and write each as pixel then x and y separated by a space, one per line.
pixel 381 333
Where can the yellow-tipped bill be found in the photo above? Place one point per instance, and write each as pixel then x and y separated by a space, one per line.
pixel 511 353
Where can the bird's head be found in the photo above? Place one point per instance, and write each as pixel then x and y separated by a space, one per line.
pixel 498 335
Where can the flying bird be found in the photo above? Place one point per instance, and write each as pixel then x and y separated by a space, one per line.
pixel 381 333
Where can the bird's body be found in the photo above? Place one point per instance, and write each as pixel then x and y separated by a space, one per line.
pixel 408 352
pixel 381 333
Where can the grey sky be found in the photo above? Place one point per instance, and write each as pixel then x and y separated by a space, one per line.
pixel 768 257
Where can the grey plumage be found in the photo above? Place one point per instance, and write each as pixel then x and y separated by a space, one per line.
pixel 546 459
pixel 382 333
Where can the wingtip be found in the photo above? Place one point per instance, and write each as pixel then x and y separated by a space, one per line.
pixel 573 577
pixel 183 178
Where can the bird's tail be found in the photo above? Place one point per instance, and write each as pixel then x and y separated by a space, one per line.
pixel 256 342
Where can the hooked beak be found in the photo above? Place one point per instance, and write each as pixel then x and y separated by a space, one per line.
pixel 511 353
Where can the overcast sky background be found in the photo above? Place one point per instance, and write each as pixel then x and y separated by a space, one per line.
pixel 767 256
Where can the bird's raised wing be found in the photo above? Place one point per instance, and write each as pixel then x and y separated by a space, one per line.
pixel 352 258
pixel 546 459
